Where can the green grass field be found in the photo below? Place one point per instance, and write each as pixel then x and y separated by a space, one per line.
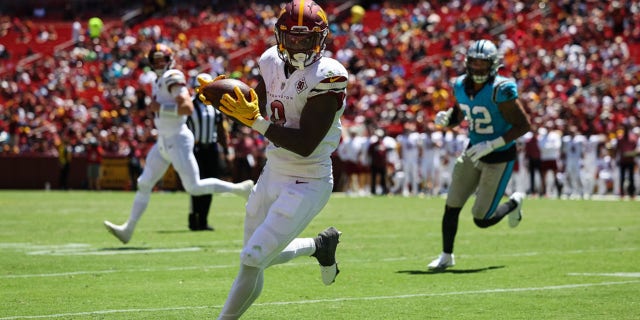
pixel 566 260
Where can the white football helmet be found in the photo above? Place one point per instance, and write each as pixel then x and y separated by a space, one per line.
pixel 482 50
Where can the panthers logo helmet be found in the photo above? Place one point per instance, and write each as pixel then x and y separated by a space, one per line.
pixel 482 61
pixel 301 32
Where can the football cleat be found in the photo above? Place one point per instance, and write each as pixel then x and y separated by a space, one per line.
pixel 326 245
pixel 444 260
pixel 516 214
pixel 121 232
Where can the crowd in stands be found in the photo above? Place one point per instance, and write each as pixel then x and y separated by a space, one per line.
pixel 576 64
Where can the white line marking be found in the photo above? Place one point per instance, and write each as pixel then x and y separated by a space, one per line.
pixel 290 264
pixel 614 274
pixel 94 252
pixel 65 274
pixel 279 303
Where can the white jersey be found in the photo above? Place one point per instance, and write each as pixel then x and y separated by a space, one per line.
pixel 168 124
pixel 573 149
pixel 591 149
pixel 410 146
pixel 550 146
pixel 286 97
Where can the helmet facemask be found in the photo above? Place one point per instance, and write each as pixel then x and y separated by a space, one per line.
pixel 300 47
pixel 479 69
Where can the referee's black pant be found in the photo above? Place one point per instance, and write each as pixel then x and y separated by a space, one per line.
pixel 209 164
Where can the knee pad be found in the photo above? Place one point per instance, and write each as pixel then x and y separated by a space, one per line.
pixel 144 187
pixel 287 214
pixel 256 253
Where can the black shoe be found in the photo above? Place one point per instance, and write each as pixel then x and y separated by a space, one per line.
pixel 326 244
pixel 193 222
pixel 206 227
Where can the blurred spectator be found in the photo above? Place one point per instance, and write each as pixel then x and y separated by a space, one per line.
pixel 409 150
pixel 378 154
pixel 626 151
pixel 590 163
pixel 349 151
pixel 94 154
pixel 4 54
pixel 65 156
pixel 76 32
pixel 573 145
pixel 134 164
pixel 581 68
pixel 245 149
pixel 550 142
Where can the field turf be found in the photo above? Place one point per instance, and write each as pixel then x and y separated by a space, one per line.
pixel 568 259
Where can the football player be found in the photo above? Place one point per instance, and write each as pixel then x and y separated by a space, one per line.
pixel 296 105
pixel 496 119
pixel 171 105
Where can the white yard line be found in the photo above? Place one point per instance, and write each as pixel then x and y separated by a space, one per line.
pixel 371 298
pixel 84 250
pixel 94 252
pixel 610 274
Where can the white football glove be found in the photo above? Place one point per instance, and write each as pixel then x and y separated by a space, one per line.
pixel 483 148
pixel 443 117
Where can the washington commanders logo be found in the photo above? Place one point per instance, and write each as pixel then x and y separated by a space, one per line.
pixel 301 85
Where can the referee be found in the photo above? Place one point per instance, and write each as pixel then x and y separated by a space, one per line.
pixel 209 131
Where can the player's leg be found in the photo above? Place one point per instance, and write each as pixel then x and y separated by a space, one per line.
pixel 246 288
pixel 274 241
pixel 270 237
pixel 156 166
pixel 487 209
pixel 185 164
pixel 632 184
pixel 207 159
pixel 415 178
pixel 464 182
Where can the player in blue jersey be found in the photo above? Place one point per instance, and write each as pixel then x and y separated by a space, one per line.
pixel 496 118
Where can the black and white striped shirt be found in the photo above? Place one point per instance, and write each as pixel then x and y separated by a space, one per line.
pixel 204 122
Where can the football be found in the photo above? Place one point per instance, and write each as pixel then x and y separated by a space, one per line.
pixel 213 91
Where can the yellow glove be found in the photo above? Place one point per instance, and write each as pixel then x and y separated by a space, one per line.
pixel 244 111
pixel 203 82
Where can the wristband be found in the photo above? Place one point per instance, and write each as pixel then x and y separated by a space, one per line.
pixel 497 142
pixel 261 125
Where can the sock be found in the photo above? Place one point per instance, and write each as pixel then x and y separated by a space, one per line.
pixel 244 291
pixel 140 203
pixel 504 209
pixel 449 228
pixel 298 247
